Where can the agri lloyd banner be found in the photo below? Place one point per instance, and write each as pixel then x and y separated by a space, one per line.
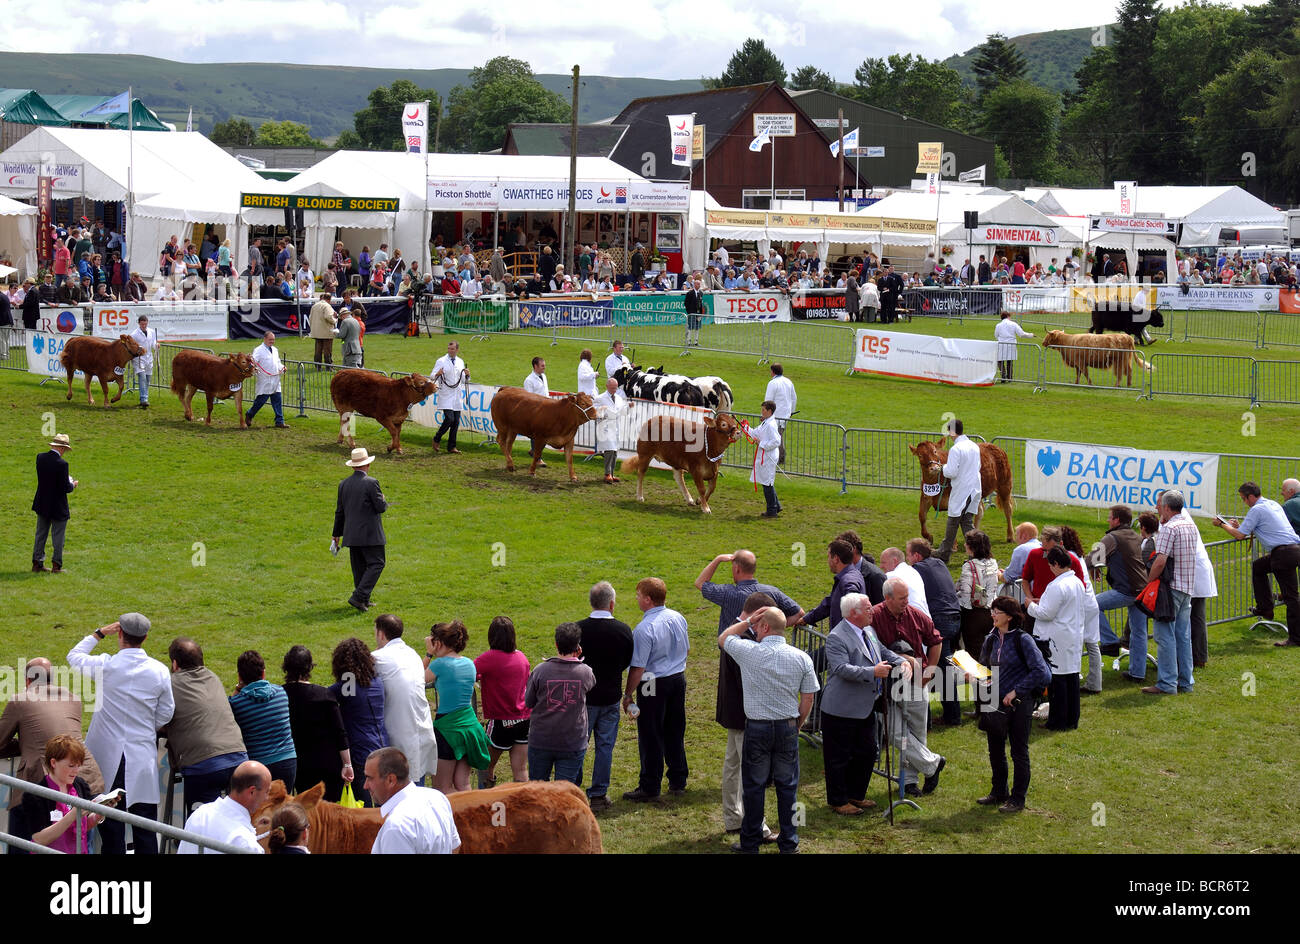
pixel 1219 297
pixel 1101 476
pixel 955 361
pixel 952 301
pixel 174 321
pixel 828 306
pixel 747 307
pixel 597 312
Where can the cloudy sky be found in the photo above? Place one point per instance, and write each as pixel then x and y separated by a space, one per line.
pixel 666 39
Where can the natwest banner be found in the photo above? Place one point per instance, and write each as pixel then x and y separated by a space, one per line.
pixel 956 361
pixel 1101 476
pixel 1015 235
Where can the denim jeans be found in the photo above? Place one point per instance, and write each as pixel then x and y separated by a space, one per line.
pixel 142 384
pixel 261 400
pixel 603 721
pixel 1174 647
pixel 771 752
pixel 1113 600
pixel 567 764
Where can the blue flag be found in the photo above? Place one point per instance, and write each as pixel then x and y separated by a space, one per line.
pixel 119 105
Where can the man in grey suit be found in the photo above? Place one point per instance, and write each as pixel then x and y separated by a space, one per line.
pixel 349 331
pixel 358 527
pixel 856 664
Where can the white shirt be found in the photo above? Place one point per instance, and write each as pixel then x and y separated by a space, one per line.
pixel 780 390
pixel 723 256
pixel 911 578
pixel 587 378
pixel 963 471
pixel 446 373
pixel 267 360
pixel 869 295
pixel 768 447
pixel 609 413
pixel 133 700
pixel 223 820
pixel 470 288
pixel 536 383
pixel 1204 586
pixel 614 362
pixel 147 339
pixel 306 282
pixel 1005 333
pixel 1058 618
pixel 406 709
pixel 417 821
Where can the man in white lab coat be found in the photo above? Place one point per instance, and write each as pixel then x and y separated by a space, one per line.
pixel 611 407
pixel 780 390
pixel 767 441
pixel 406 708
pixel 962 470
pixel 133 700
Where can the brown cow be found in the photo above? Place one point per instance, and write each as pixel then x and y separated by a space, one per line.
pixel 546 421
pixel 220 378
pixel 97 357
pixel 1107 351
pixel 995 476
pixel 388 400
pixel 684 446
pixel 529 817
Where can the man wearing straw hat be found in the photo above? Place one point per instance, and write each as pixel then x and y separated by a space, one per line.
pixel 53 483
pixel 358 527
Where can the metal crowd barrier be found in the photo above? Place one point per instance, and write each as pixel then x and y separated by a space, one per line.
pixel 881 458
pixel 822 343
pixel 813 642
pixel 13 349
pixel 1231 561
pixel 1277 382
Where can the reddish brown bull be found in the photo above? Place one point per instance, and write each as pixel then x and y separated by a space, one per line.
pixel 545 421
pixel 529 817
pixel 388 400
pixel 220 378
pixel 97 357
pixel 995 476
pixel 684 446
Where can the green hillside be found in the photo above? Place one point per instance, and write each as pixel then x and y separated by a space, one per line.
pixel 321 97
pixel 1052 57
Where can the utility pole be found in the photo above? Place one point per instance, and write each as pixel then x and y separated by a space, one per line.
pixel 841 187
pixel 573 179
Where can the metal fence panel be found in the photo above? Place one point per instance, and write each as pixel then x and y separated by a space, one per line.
pixel 751 338
pixel 1201 375
pixel 13 349
pixel 827 344
pixel 880 458
pixel 1241 326
pixel 813 642
pixel 1277 381
pixel 1266 471
pixel 1055 371
pixel 1279 329
pixel 1231 560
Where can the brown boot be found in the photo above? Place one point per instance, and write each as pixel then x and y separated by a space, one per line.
pixel 58 568
pixel 39 567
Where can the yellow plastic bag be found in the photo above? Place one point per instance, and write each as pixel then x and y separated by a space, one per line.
pixel 348 800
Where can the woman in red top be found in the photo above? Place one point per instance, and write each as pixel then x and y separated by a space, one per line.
pixel 503 676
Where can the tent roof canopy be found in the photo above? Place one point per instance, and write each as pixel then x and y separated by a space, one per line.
pixel 1227 206
pixel 28 107
pixel 72 107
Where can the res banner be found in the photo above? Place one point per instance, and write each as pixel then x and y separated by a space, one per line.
pixel 1101 476
pixel 181 321
pixel 955 361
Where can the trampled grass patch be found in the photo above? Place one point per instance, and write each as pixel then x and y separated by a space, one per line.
pixel 223 535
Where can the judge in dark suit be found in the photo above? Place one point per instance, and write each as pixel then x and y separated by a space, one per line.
pixel 694 302
pixel 984 272
pixel 51 502
pixel 891 287
pixel 357 526
pixel 31 305
pixel 856 665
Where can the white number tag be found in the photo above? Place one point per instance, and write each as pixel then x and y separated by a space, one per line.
pixel 235 388
pixel 931 490
pixel 118 371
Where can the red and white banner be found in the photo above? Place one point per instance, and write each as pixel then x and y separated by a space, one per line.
pixel 174 321
pixel 996 234
pixel 415 127
pixel 681 134
pixel 956 361
pixel 1126 197
pixel 1133 224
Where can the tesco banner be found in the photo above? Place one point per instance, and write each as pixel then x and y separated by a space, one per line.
pixel 174 321
pixel 956 361
pixel 1219 297
pixel 742 307
pixel 1101 476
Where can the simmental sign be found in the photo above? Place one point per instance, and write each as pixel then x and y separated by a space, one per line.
pixel 994 234
pixel 295 201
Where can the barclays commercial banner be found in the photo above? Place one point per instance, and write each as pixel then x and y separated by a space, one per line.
pixel 1101 476
pixel 43 350
pixel 475 414
pixel 567 314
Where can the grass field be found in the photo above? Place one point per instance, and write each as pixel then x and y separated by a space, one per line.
pixel 222 535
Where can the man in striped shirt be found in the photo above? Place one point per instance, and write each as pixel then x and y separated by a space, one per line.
pixel 1175 549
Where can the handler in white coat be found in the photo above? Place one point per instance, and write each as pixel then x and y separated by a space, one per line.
pixel 767 445
pixel 586 375
pixel 147 338
pixel 133 700
pixel 451 375
pixel 1006 332
pixel 406 708
pixel 963 473
pixel 1059 620
pixel 780 390
pixel 611 408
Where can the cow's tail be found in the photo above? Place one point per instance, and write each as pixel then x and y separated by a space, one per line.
pixel 177 385
pixel 1143 363
pixel 66 357
pixel 632 465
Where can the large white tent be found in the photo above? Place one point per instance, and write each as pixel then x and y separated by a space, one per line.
pixel 1203 211
pixel 18 235
pixel 103 164
pixel 1128 243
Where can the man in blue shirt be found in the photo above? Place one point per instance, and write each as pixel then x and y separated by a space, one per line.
pixel 1269 523
pixel 660 644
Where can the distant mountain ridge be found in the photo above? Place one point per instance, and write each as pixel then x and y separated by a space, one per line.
pixel 322 97
pixel 1051 57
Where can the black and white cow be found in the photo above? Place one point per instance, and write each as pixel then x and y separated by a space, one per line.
pixel 710 392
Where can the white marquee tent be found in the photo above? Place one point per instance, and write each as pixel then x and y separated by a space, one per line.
pixel 18 235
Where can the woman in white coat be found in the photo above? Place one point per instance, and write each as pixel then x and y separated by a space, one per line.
pixel 611 406
pixel 1071 541
pixel 1058 620
pixel 586 374
pixel 767 447
pixel 1005 333
pixel 868 300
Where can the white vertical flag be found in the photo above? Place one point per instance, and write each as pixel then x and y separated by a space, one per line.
pixel 931 183
pixel 764 137
pixel 189 122
pixel 415 127
pixel 1126 196
pixel 681 132
pixel 850 143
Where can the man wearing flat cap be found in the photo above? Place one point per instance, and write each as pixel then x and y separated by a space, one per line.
pixel 357 526
pixel 133 700
pixel 53 483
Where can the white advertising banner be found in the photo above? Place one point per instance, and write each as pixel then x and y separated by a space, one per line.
pixel 741 307
pixel 1126 197
pixel 58 320
pixel 178 321
pixel 415 127
pixel 554 195
pixel 1012 235
pixel 43 350
pixel 24 174
pixel 649 195
pixel 463 194
pixel 1133 224
pixel 1101 476
pixel 660 196
pixel 1219 297
pixel 777 124
pixel 681 132
pixel 956 361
